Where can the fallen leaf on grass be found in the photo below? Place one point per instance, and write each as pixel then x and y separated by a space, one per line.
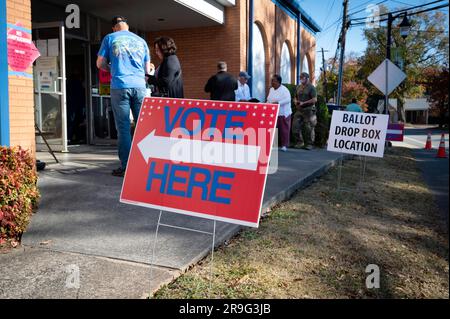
pixel 240 281
pixel 46 242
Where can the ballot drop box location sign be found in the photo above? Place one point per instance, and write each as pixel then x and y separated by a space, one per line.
pixel 358 133
pixel 201 158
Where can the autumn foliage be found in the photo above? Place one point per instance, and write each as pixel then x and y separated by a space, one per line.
pixel 18 192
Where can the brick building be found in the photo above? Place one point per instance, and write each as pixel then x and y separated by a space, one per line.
pixel 64 78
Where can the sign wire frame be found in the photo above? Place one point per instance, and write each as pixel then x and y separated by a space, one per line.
pixel 362 174
pixel 153 261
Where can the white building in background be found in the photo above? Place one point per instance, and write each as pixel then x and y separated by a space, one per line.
pixel 417 110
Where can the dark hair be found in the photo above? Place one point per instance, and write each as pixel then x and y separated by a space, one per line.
pixel 278 78
pixel 166 45
pixel 116 19
pixel 221 66
pixel 354 100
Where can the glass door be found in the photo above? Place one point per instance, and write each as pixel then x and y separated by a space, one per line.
pixel 50 85
pixel 103 129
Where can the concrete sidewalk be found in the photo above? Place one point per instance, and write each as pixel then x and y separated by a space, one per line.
pixel 81 225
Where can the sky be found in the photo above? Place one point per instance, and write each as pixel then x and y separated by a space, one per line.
pixel 327 12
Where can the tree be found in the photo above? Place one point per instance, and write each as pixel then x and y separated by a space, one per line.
pixel 350 80
pixel 425 47
pixel 437 88
pixel 353 90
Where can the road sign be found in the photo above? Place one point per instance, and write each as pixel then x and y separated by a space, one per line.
pixel 201 158
pixel 395 132
pixel 358 133
pixel 395 76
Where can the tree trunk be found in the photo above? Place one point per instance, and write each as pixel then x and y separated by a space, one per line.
pixel 401 110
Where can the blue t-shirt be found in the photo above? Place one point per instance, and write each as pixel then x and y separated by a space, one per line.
pixel 354 108
pixel 127 54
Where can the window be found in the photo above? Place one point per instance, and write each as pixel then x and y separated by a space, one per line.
pixel 285 67
pixel 259 65
pixel 305 65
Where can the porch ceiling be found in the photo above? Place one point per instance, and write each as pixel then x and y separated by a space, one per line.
pixel 145 15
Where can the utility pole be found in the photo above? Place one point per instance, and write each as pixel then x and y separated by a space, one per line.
pixel 388 57
pixel 341 60
pixel 325 82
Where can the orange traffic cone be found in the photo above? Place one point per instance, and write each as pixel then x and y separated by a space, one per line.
pixel 428 143
pixel 441 152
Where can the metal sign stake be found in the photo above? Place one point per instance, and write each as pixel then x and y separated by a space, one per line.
pixel 152 263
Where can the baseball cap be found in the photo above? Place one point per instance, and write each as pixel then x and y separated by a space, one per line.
pixel 244 75
pixel 118 19
pixel 304 75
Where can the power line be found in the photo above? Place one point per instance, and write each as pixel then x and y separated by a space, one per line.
pixel 401 10
pixel 333 24
pixel 329 11
pixel 358 6
pixel 409 14
pixel 381 2
pixel 400 2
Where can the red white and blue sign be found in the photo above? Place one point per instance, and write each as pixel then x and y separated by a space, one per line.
pixel 201 158
pixel 395 132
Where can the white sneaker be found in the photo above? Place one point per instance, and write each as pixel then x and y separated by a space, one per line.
pixel 284 149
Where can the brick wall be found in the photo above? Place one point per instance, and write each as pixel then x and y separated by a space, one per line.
pixel 278 27
pixel 199 50
pixel 21 104
pixel 285 31
pixel 308 51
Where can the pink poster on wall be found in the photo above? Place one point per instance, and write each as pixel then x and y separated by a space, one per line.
pixel 21 50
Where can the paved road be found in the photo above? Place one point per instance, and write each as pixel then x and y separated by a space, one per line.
pixel 416 137
pixel 435 170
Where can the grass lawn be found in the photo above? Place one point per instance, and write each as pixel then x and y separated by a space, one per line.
pixel 319 243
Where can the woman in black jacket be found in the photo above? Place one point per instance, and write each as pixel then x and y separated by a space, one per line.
pixel 168 78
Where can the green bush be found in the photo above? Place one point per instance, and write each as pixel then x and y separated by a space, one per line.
pixel 323 122
pixel 18 192
pixel 323 119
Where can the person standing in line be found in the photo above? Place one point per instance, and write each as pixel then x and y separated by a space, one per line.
pixel 127 57
pixel 168 80
pixel 222 85
pixel 305 115
pixel 354 107
pixel 243 91
pixel 280 94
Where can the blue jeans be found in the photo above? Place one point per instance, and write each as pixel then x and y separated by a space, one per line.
pixel 122 100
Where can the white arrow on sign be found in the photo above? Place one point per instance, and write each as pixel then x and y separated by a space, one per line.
pixel 395 76
pixel 200 152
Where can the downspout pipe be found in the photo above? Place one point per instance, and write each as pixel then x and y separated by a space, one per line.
pixel 250 43
pixel 4 95
pixel 299 46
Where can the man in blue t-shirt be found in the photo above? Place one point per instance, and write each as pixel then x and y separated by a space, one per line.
pixel 127 57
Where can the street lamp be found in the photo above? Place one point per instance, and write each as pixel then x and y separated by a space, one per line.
pixel 405 27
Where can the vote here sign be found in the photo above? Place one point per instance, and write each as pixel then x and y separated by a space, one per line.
pixel 358 133
pixel 201 158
